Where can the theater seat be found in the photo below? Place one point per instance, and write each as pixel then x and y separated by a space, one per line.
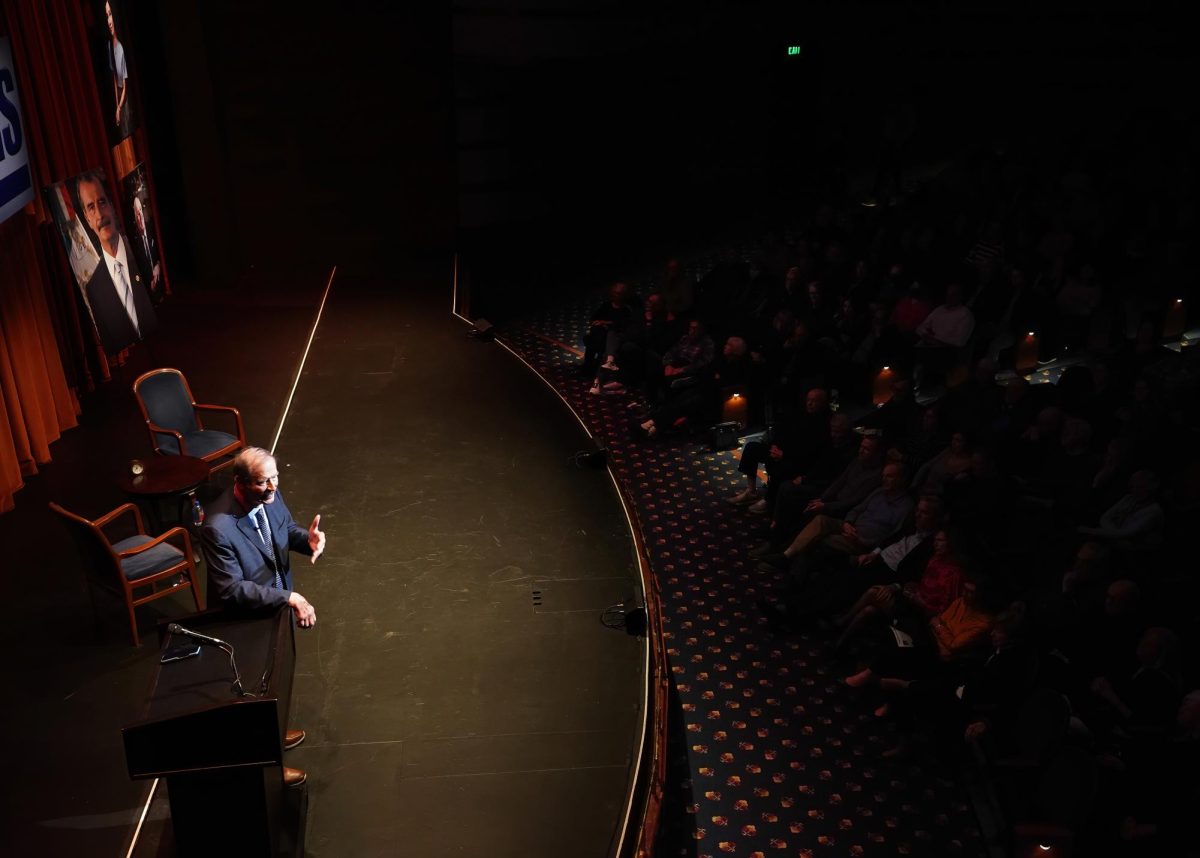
pixel 173 419
pixel 137 562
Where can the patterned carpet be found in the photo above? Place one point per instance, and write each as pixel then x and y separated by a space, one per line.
pixel 781 757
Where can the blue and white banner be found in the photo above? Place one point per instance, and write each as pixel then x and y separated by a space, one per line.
pixel 16 182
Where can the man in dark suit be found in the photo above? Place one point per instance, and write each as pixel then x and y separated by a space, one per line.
pixel 116 294
pixel 145 249
pixel 247 535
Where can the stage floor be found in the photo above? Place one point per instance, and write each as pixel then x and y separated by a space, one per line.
pixel 459 692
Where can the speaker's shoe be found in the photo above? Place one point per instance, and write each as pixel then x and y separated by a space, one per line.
pixel 292 738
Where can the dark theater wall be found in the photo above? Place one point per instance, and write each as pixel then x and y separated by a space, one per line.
pixel 555 132
pixel 585 129
pixel 306 134
pixel 571 105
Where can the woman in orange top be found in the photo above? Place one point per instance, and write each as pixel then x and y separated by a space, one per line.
pixel 956 633
pixel 939 586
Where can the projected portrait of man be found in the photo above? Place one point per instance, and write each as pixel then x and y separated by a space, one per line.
pixel 81 253
pixel 115 293
pixel 145 248
pixel 118 69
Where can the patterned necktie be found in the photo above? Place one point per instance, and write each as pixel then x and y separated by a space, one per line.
pixel 127 297
pixel 264 533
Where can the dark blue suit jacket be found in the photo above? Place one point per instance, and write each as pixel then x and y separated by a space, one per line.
pixel 241 570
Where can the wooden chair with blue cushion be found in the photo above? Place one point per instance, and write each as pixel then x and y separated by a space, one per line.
pixel 173 418
pixel 135 562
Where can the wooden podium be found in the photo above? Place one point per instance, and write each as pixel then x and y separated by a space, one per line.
pixel 222 754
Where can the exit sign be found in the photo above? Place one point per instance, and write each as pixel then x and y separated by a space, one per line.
pixel 793 50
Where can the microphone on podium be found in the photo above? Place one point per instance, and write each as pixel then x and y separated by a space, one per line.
pixel 176 629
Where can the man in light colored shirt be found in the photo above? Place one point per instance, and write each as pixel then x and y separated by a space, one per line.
pixel 948 325
pixel 1135 522
pixel 940 338
pixel 927 519
pixel 866 526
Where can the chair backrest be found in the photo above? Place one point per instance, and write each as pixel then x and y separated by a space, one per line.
pixel 98 557
pixel 166 400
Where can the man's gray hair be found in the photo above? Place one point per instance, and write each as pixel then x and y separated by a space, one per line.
pixel 247 461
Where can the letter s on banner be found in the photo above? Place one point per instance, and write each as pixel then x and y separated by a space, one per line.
pixel 16 181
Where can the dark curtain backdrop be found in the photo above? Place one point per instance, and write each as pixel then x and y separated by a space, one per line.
pixel 48 349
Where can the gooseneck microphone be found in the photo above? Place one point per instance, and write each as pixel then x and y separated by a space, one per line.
pixel 176 629
pixel 225 647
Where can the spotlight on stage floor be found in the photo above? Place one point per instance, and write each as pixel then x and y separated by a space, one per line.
pixel 628 615
pixel 482 330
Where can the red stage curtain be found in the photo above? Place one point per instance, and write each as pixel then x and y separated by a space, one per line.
pixel 36 404
pixel 40 322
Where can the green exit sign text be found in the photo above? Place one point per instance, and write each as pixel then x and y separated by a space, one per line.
pixel 793 50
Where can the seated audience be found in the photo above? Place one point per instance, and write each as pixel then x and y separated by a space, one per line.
pixel 605 330
pixel 644 344
pixel 909 312
pixel 1147 697
pixel 799 501
pixel 867 525
pixel 1011 466
pixel 942 335
pixel 899 419
pixel 788 454
pixel 699 399
pixel 1135 522
pixel 684 362
pixel 952 463
pixel 821 589
pixel 927 441
pixel 936 648
pixel 984 700
pixel 927 597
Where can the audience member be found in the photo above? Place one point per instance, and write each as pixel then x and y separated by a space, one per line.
pixel 867 525
pixel 1135 522
pixel 798 502
pixel 683 364
pixel 899 419
pixel 644 344
pixel 937 587
pixel 606 329
pixel 788 454
pixel 955 635
pixel 952 463
pixel 693 394
pixel 942 335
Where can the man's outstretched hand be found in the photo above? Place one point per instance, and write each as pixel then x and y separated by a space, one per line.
pixel 316 538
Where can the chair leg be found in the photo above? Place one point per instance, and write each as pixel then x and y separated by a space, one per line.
pixel 137 641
